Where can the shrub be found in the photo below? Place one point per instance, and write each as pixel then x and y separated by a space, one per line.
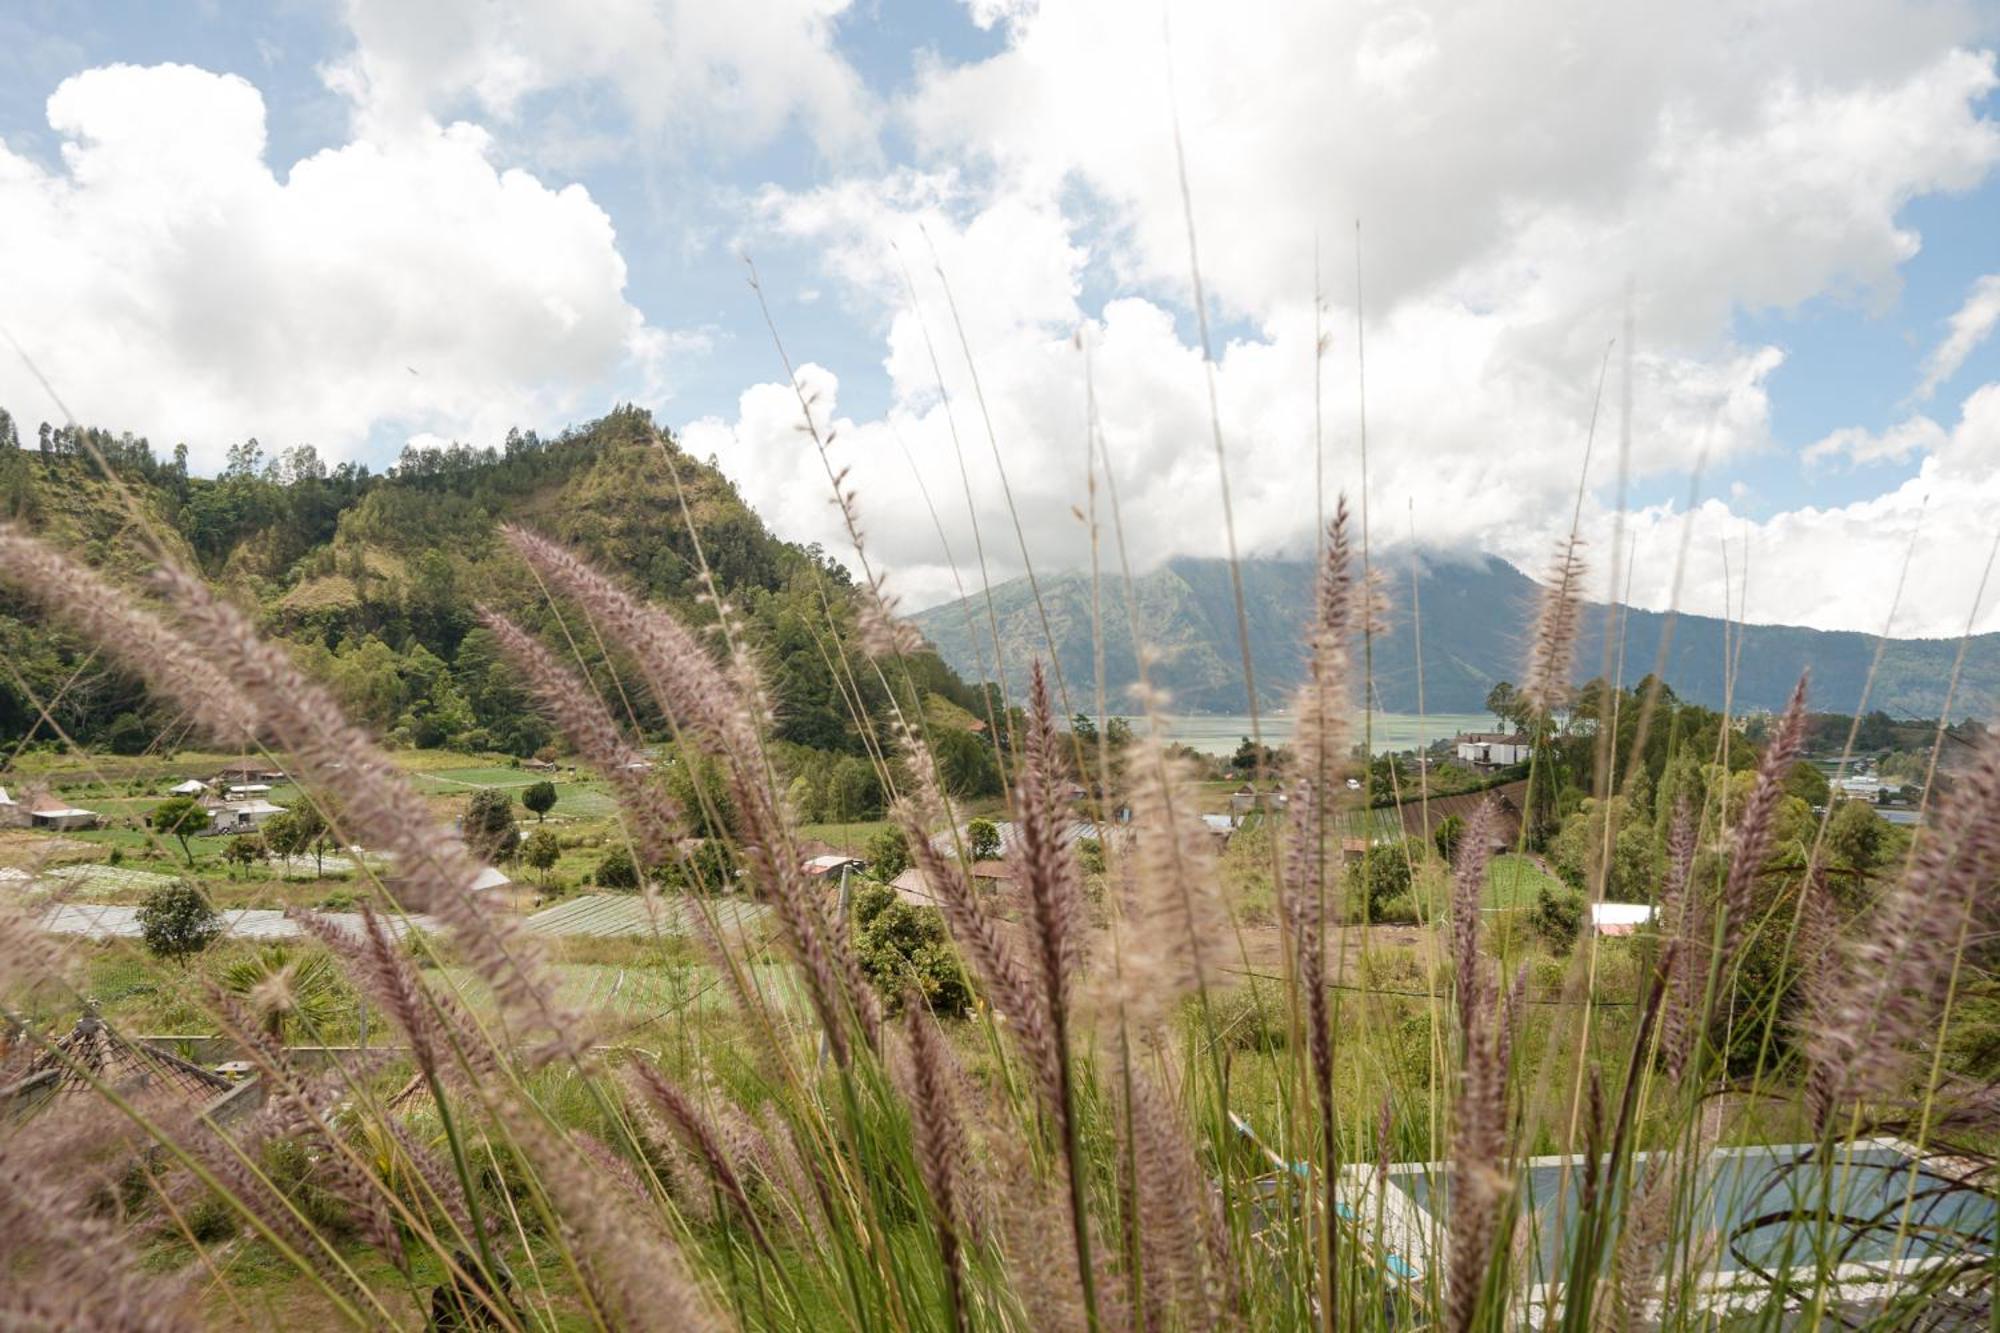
pixel 616 870
pixel 1090 855
pixel 177 921
pixel 490 830
pixel 1381 877
pixel 1556 917
pixel 904 948
pixel 982 839
pixel 888 854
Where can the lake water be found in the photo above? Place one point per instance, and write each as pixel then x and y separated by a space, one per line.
pixel 1221 733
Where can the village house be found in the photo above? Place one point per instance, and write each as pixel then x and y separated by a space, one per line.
pixel 1493 749
pixel 1246 799
pixel 239 816
pixel 247 771
pixel 192 787
pixel 50 812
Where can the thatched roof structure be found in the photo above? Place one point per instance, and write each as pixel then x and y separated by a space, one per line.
pixel 92 1054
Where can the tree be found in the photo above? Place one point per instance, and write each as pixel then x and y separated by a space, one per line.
pixel 181 818
pixel 489 828
pixel 284 836
pixel 1855 836
pixel 888 854
pixel 982 839
pixel 541 851
pixel 1504 702
pixel 540 798
pixel 177 921
pixel 313 834
pixel 245 850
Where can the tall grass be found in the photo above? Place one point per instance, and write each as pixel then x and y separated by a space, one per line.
pixel 1123 1134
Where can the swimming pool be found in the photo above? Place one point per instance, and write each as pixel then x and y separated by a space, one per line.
pixel 1872 1211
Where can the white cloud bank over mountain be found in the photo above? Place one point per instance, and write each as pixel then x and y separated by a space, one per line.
pixel 1526 175
pixel 1529 175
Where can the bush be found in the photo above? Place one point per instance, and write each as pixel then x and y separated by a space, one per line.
pixel 1556 917
pixel 904 948
pixel 126 735
pixel 888 854
pixel 616 871
pixel 490 831
pixel 982 839
pixel 1090 855
pixel 1380 878
pixel 176 922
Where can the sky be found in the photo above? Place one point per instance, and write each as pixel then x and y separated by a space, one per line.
pixel 1757 245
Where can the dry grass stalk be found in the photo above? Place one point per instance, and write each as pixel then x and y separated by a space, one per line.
pixel 1046 868
pixel 1177 926
pixel 1480 1181
pixel 1890 988
pixel 636 1274
pixel 703 1139
pixel 1682 919
pixel 719 708
pixel 1190 1276
pixel 943 1157
pixel 1552 644
pixel 1758 827
pixel 68 1264
pixel 680 673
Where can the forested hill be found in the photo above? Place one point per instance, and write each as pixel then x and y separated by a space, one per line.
pixel 1475 620
pixel 375 578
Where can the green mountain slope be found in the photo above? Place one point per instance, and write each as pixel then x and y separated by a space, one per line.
pixel 376 580
pixel 1475 619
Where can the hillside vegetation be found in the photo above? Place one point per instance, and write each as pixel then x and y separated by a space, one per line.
pixel 376 583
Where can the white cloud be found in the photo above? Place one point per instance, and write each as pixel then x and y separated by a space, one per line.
pixel 734 74
pixel 1916 435
pixel 166 280
pixel 1970 326
pixel 1838 568
pixel 1527 173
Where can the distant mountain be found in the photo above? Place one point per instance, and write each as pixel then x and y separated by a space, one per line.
pixel 1476 614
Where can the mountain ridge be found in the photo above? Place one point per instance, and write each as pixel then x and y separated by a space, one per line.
pixel 1475 616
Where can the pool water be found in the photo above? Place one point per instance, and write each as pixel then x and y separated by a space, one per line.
pixel 1867 1193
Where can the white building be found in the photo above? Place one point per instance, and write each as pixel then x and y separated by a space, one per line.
pixel 240 816
pixel 1493 749
pixel 1620 918
pixel 192 787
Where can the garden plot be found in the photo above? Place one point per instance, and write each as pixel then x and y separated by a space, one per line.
pixel 104 921
pixel 606 914
pixel 95 877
